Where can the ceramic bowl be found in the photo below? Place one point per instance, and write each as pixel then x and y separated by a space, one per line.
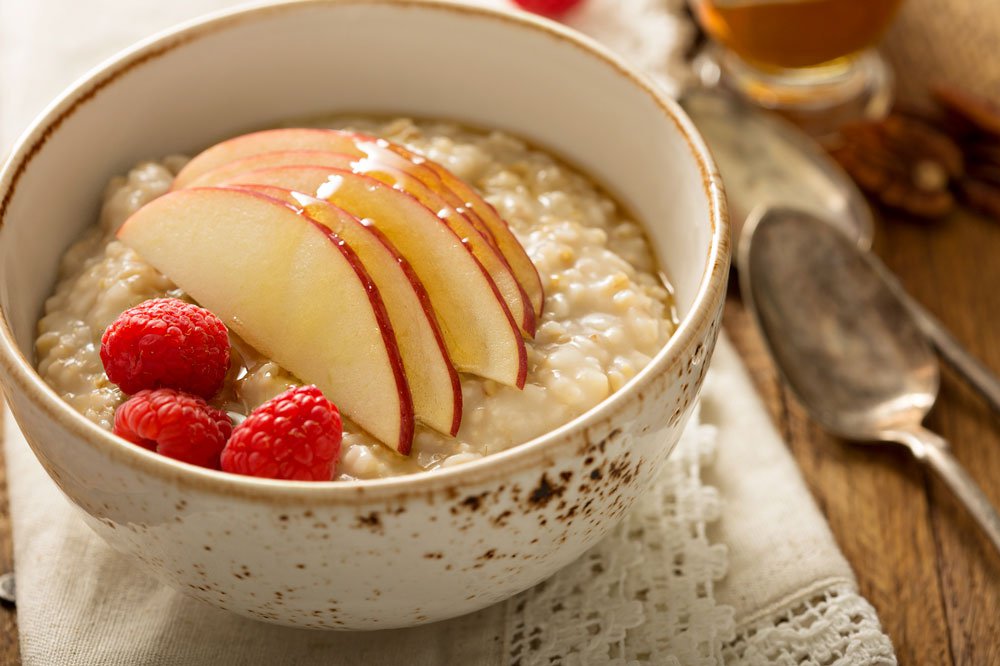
pixel 400 551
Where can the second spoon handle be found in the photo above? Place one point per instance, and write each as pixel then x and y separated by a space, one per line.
pixel 933 449
pixel 952 351
pixel 968 366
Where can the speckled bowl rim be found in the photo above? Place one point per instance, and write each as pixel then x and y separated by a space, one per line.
pixel 537 452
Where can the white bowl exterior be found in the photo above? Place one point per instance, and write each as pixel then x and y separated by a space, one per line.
pixel 379 557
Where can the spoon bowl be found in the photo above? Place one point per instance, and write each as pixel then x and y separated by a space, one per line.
pixel 845 343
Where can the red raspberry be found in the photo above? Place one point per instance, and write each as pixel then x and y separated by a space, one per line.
pixel 166 343
pixel 174 424
pixel 550 8
pixel 295 435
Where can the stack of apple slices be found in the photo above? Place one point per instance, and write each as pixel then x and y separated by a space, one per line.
pixel 359 266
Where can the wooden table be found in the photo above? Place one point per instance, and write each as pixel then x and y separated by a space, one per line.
pixel 920 560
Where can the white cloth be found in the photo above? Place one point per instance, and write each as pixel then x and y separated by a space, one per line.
pixel 727 560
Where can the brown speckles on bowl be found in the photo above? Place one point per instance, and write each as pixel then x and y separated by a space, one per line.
pixel 470 503
pixel 544 493
pixel 370 521
pixel 501 519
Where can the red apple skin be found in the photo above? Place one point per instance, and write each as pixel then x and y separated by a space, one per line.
pixel 192 207
pixel 266 160
pixel 481 240
pixel 457 193
pixel 405 442
pixel 264 141
pixel 488 217
pixel 318 210
pixel 310 179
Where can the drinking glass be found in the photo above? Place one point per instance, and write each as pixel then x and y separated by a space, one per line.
pixel 812 59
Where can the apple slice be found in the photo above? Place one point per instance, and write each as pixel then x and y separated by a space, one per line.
pixel 266 141
pixel 434 384
pixel 491 259
pixel 456 192
pixel 479 331
pixel 255 161
pixel 483 214
pixel 291 288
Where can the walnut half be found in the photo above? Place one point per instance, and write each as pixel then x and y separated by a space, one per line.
pixel 904 162
pixel 974 121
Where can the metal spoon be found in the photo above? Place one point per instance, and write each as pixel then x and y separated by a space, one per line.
pixel 845 344
pixel 766 161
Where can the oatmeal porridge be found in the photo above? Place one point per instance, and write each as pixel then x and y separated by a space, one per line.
pixel 606 310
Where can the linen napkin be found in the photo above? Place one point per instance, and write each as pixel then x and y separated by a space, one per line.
pixel 727 560
pixel 786 595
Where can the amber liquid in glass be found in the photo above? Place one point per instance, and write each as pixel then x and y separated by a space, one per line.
pixel 792 34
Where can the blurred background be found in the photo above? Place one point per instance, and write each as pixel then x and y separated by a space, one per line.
pixel 937 41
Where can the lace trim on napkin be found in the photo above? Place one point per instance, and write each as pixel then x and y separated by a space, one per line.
pixel 831 625
pixel 645 594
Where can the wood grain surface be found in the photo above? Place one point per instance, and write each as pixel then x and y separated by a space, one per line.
pixel 919 559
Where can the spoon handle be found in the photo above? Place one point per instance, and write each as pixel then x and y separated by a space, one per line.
pixel 952 351
pixel 965 364
pixel 933 449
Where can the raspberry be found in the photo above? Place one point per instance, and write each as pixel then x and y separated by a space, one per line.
pixel 550 8
pixel 166 343
pixel 174 424
pixel 295 435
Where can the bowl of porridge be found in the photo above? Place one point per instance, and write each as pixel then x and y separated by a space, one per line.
pixel 484 255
